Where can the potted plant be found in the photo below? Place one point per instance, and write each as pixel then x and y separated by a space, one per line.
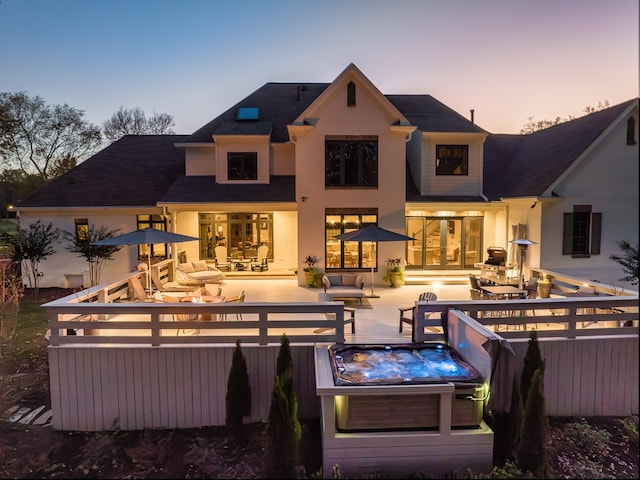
pixel 313 273
pixel 394 274
pixel 544 287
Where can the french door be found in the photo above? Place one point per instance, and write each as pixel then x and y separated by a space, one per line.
pixel 443 242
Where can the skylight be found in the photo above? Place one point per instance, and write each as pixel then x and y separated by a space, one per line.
pixel 248 113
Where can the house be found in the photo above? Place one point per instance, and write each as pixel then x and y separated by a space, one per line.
pixel 292 165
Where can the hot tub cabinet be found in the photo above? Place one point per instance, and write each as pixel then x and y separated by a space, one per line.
pixel 431 364
pixel 401 428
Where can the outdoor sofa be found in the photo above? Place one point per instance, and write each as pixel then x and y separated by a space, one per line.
pixel 345 285
pixel 197 273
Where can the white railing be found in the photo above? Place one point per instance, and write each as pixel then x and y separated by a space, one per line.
pixel 551 317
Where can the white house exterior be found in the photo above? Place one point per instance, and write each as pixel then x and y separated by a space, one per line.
pixel 293 165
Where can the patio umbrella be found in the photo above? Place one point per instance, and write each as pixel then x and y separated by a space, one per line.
pixel 146 236
pixel 373 233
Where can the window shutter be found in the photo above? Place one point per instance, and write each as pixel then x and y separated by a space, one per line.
pixel 596 229
pixel 567 234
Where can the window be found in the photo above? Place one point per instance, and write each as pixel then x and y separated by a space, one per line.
pixel 351 94
pixel 241 233
pixel 581 232
pixel 352 255
pixel 351 161
pixel 452 160
pixel 159 250
pixel 242 165
pixel 82 228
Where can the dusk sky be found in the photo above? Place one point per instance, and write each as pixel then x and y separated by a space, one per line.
pixel 506 59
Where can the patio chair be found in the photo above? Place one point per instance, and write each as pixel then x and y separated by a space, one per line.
pixel 424 297
pixel 234 299
pixel 260 263
pixel 223 261
pixel 180 317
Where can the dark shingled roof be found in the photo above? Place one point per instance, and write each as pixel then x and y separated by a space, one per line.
pixel 279 105
pixel 430 115
pixel 133 171
pixel 526 165
pixel 203 189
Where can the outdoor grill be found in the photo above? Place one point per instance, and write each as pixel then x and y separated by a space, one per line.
pixel 497 256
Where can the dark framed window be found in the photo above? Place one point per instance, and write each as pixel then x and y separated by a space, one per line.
pixel 452 159
pixel 242 166
pixel 82 228
pixel 351 161
pixel 341 255
pixel 351 94
pixel 581 232
pixel 158 250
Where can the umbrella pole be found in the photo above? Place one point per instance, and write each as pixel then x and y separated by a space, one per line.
pixel 371 262
pixel 149 271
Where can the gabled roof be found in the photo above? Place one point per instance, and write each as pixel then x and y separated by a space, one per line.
pixel 279 103
pixel 526 165
pixel 430 115
pixel 133 171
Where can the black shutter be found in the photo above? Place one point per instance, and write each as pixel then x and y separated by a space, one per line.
pixel 567 234
pixel 596 229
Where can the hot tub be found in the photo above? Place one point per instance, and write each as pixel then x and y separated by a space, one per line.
pixel 404 364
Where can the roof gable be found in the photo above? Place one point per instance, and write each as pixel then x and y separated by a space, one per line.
pixel 526 165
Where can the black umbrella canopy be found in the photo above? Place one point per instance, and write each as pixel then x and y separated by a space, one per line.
pixel 373 233
pixel 146 236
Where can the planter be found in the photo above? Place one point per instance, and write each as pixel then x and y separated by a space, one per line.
pixel 544 289
pixel 396 279
pixel 313 277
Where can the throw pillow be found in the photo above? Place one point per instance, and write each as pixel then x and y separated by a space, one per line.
pixel 200 266
pixel 186 267
pixel 349 279
pixel 335 280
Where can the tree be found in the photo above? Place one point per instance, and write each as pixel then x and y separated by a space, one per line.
pixel 133 121
pixel 532 448
pixel 31 246
pixel 534 126
pixel 532 362
pixel 284 361
pixel 47 140
pixel 283 427
pixel 238 398
pixel 96 255
pixel 630 261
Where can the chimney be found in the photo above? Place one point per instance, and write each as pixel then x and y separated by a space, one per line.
pixel 472 112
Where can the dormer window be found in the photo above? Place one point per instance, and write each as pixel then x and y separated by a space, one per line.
pixel 248 113
pixel 242 166
pixel 351 94
pixel 452 160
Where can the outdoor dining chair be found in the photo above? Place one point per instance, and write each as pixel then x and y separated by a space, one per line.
pixel 234 299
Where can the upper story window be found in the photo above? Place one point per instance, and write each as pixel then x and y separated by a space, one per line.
pixel 351 94
pixel 242 166
pixel 581 232
pixel 452 159
pixel 351 161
